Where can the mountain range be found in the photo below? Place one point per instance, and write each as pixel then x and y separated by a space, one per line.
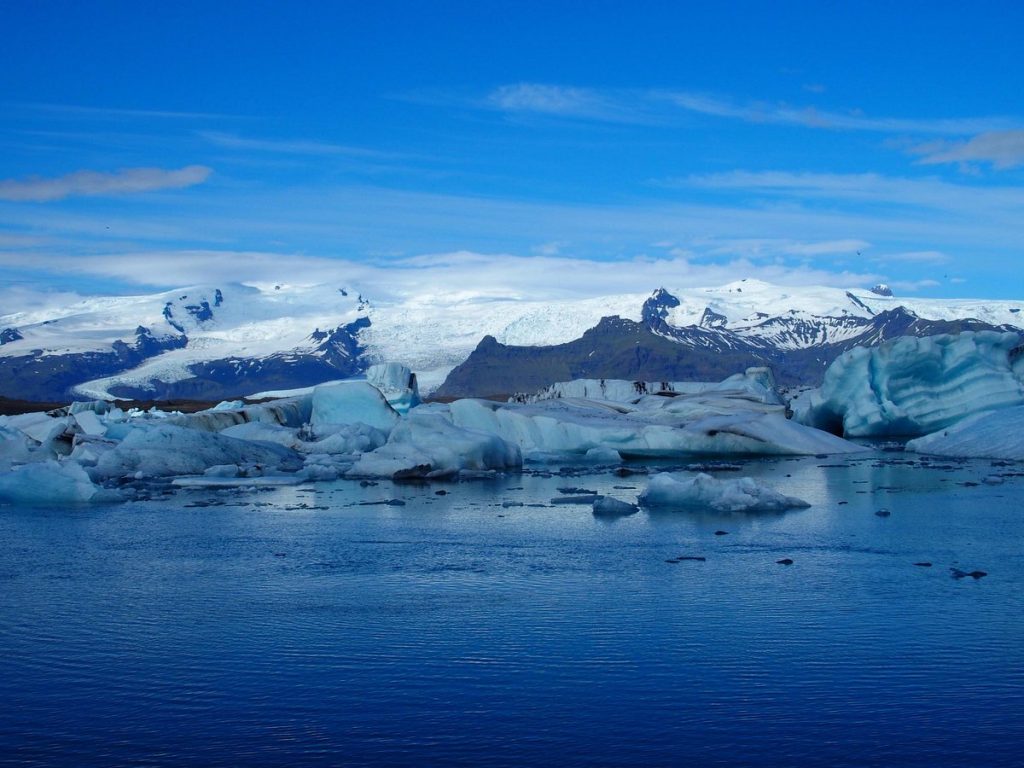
pixel 211 343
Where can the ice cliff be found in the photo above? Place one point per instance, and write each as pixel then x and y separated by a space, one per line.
pixel 913 386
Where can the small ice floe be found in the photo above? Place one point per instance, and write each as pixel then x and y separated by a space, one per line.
pixel 744 494
pixel 608 506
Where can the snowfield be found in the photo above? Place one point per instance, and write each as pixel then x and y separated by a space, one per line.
pixel 432 333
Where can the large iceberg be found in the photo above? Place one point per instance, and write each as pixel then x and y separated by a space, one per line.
pixel 995 435
pixel 744 494
pixel 652 427
pixel 428 445
pixel 914 386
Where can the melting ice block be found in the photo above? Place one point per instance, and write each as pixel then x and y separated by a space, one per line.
pixel 996 435
pixel 913 386
pixel 744 494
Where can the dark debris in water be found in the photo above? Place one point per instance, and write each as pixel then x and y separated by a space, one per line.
pixel 785 561
pixel 956 573
pixel 682 558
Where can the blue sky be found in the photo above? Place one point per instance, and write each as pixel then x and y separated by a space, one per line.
pixel 161 144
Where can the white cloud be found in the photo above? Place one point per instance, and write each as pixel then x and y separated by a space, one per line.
pixel 563 101
pixel 124 181
pixel 633 105
pixel 1002 149
pixel 462 273
pixel 914 257
pixel 867 188
pixel 285 146
pixel 808 116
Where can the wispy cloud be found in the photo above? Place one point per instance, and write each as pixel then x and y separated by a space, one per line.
pixel 287 146
pixel 569 102
pixel 94 183
pixel 643 105
pixel 866 188
pixel 1001 149
pixel 777 113
pixel 77 111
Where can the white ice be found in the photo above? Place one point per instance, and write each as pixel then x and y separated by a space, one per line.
pixel 744 494
pixel 913 386
pixel 995 435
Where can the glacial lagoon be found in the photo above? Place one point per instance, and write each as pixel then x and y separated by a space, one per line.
pixel 479 623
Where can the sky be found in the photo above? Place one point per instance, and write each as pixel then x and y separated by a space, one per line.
pixel 460 146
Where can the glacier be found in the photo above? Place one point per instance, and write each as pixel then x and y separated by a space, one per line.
pixel 913 386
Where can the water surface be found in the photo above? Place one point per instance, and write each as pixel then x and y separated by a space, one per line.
pixel 302 626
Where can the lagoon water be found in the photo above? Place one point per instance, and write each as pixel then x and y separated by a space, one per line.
pixel 303 626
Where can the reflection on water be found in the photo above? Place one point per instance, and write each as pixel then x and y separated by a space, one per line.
pixel 298 626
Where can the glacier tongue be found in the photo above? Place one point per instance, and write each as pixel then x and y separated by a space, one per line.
pixel 913 386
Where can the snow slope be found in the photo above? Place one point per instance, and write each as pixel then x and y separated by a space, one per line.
pixel 431 333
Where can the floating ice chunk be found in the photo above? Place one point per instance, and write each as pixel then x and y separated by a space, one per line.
pixel 41 427
pixel 603 456
pixel 913 386
pixel 15 445
pixel 264 432
pixel 263 481
pixel 50 482
pixel 90 423
pixel 166 450
pixel 229 405
pixel 429 445
pixel 350 403
pixel 606 506
pixel 347 439
pixel 397 383
pixel 997 435
pixel 744 494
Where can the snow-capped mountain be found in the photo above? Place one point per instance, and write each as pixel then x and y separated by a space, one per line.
pixel 222 341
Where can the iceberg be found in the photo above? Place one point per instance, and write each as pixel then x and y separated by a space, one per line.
pixel 654 427
pixel 49 482
pixel 428 445
pixel 992 435
pixel 913 386
pixel 351 403
pixel 167 450
pixel 744 494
